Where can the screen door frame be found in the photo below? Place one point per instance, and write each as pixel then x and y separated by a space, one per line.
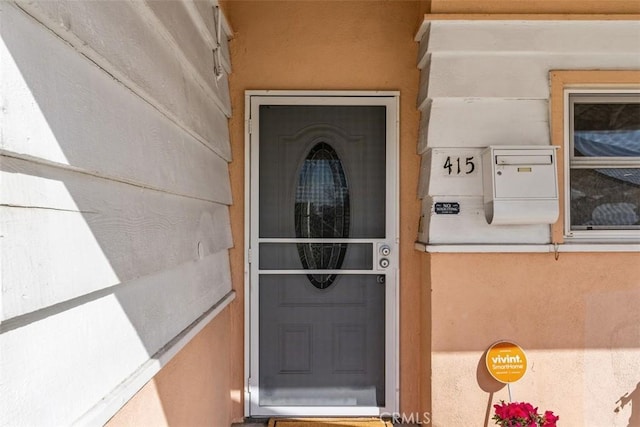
pixel 253 99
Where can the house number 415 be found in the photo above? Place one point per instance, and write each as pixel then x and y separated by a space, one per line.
pixel 459 165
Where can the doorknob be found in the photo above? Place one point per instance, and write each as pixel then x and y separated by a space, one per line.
pixel 385 250
pixel 384 263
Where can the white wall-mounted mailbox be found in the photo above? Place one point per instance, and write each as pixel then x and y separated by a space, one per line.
pixel 520 184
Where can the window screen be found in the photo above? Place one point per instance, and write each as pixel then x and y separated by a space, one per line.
pixel 604 175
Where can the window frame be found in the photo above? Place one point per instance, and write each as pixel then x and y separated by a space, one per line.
pixel 598 94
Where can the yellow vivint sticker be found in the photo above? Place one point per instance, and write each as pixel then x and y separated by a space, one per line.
pixel 506 362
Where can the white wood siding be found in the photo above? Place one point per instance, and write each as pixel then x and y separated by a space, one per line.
pixel 127 40
pixel 486 82
pixel 114 194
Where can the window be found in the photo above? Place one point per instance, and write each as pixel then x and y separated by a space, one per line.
pixel 602 155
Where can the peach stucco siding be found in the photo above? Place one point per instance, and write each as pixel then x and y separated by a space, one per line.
pixel 344 46
pixel 568 314
pixel 576 318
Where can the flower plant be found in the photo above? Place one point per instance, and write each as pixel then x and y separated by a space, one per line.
pixel 522 414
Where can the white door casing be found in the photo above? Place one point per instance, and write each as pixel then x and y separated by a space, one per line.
pixel 309 359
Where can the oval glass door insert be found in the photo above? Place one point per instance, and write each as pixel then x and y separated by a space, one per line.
pixel 322 211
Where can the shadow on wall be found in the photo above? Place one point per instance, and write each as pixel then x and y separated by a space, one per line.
pixel 488 384
pixel 98 233
pixel 633 399
pixel 118 239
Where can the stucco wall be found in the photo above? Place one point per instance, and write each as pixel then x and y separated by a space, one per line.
pixel 333 46
pixel 577 319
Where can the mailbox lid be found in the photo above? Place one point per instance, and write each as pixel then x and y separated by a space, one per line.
pixel 516 159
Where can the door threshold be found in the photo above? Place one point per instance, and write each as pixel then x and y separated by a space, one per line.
pixel 330 422
pixel 264 422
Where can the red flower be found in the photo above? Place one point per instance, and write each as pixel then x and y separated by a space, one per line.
pixel 522 414
pixel 550 419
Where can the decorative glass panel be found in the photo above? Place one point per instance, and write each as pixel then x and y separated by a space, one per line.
pixel 322 211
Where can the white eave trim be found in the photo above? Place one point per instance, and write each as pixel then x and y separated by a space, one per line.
pixel 543 248
pixel 518 17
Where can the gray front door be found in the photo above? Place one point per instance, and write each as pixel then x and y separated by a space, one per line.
pixel 322 254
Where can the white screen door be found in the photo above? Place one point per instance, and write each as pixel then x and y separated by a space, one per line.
pixel 322 254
